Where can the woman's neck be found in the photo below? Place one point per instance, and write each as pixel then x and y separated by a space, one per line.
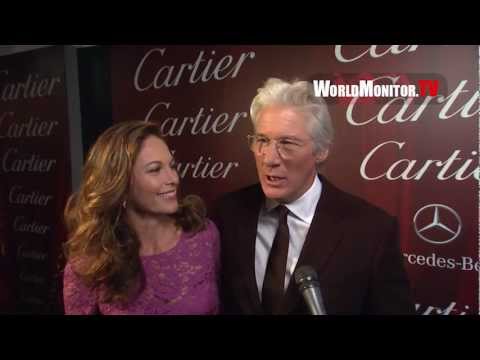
pixel 156 234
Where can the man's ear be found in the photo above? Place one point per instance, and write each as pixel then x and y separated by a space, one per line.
pixel 321 156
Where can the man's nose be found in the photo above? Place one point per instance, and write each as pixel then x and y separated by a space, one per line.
pixel 270 154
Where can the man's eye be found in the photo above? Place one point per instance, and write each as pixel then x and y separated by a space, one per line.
pixel 286 142
pixel 262 140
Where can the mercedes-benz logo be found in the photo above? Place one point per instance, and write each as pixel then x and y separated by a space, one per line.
pixel 438 218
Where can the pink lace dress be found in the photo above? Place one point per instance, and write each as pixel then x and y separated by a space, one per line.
pixel 180 281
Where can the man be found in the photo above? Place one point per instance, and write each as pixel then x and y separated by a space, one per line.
pixel 296 217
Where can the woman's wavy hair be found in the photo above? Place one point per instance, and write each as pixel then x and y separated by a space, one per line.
pixel 102 248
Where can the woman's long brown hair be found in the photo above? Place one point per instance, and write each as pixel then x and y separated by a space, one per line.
pixel 102 248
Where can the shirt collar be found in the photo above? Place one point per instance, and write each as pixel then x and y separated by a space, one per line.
pixel 304 207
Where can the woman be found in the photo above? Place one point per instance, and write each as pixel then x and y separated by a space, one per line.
pixel 133 247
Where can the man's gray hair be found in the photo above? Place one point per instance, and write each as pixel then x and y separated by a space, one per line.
pixel 298 94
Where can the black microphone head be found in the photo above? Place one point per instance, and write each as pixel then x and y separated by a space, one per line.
pixel 305 273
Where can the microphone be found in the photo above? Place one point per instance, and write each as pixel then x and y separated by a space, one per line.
pixel 307 280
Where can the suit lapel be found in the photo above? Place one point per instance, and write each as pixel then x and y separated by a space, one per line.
pixel 248 227
pixel 322 238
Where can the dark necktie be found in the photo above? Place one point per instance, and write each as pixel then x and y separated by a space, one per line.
pixel 273 283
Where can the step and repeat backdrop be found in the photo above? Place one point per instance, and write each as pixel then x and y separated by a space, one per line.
pixel 34 178
pixel 416 158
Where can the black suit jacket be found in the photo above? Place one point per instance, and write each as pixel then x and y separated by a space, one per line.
pixel 351 244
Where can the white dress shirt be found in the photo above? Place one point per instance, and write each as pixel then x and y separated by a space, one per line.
pixel 299 218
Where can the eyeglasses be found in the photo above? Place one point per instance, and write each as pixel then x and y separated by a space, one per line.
pixel 287 148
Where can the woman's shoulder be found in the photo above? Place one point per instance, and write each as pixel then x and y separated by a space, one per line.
pixel 211 238
pixel 209 233
pixel 211 228
pixel 210 225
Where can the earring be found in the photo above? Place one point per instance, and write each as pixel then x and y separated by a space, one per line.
pixel 124 204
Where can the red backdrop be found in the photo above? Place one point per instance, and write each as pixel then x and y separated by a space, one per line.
pixel 416 159
pixel 35 175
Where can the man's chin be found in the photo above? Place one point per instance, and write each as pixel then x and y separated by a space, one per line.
pixel 274 193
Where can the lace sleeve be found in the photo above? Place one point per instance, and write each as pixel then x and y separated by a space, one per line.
pixel 78 299
pixel 216 248
pixel 217 265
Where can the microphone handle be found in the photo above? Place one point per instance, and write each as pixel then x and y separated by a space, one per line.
pixel 313 298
